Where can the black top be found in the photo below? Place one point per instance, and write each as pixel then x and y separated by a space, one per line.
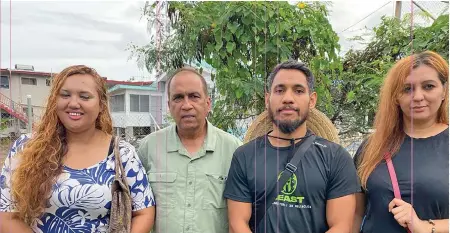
pixel 325 172
pixel 430 197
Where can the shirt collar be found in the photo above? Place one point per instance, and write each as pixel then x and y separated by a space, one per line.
pixel 174 142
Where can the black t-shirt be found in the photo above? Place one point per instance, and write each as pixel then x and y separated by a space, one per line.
pixel 429 160
pixel 326 171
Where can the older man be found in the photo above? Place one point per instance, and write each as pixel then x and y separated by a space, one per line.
pixel 188 162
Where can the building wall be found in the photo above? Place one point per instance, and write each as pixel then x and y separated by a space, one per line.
pixel 19 92
pixel 138 119
pixel 163 106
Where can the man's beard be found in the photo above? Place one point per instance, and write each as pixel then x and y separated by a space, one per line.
pixel 288 126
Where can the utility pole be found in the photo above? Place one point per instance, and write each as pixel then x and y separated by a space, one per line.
pixel 398 9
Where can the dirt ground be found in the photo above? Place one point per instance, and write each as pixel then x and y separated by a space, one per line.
pixel 3 152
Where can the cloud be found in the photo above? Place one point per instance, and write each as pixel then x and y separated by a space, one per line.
pixel 53 35
pixel 345 14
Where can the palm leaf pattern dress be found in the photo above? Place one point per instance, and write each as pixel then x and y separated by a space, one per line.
pixel 80 201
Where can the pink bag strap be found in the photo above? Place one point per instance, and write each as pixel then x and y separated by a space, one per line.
pixel 393 176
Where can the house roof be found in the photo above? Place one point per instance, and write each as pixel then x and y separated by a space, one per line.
pixel 117 82
pixel 27 72
pixel 151 87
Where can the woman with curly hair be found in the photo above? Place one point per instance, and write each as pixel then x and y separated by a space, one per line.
pixel 403 166
pixel 59 179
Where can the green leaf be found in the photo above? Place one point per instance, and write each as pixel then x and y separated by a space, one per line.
pixel 306 22
pixel 227 35
pixel 247 21
pixel 272 28
pixel 239 33
pixel 244 38
pixel 233 27
pixel 219 46
pixel 259 23
pixel 209 48
pixel 230 47
pixel 239 93
pixel 271 13
pixel 350 96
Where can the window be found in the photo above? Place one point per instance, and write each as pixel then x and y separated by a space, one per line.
pixel 117 103
pixel 48 82
pixel 156 108
pixel 4 82
pixel 29 81
pixel 139 103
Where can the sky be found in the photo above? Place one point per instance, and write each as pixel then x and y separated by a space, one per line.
pixel 51 35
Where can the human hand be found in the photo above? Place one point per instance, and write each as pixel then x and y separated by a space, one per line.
pixel 406 216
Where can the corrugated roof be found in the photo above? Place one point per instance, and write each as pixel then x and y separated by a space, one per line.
pixel 152 87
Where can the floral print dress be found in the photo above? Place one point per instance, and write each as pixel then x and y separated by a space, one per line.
pixel 81 198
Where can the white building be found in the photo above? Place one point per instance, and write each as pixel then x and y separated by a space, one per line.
pixel 138 110
pixel 15 85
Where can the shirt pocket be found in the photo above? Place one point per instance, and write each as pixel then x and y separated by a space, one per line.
pixel 214 188
pixel 163 187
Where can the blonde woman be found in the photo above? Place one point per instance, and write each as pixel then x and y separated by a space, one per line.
pixel 411 134
pixel 59 180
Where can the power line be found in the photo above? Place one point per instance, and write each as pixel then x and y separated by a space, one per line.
pixel 424 10
pixel 365 17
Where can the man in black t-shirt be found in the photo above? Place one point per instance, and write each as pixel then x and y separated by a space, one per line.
pixel 319 196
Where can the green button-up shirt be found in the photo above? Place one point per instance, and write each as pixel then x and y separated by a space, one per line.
pixel 188 189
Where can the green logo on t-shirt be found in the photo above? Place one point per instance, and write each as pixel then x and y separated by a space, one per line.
pixel 290 186
pixel 287 192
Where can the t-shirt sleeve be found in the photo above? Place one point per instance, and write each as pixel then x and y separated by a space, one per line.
pixel 141 192
pixel 343 178
pixel 357 156
pixel 9 165
pixel 236 187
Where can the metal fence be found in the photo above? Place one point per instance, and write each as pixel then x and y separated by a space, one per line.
pixel 424 12
pixel 134 127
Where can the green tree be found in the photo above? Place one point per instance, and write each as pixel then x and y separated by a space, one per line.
pixel 243 41
pixel 355 95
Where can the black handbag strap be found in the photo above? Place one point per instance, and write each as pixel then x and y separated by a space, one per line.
pixel 289 169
